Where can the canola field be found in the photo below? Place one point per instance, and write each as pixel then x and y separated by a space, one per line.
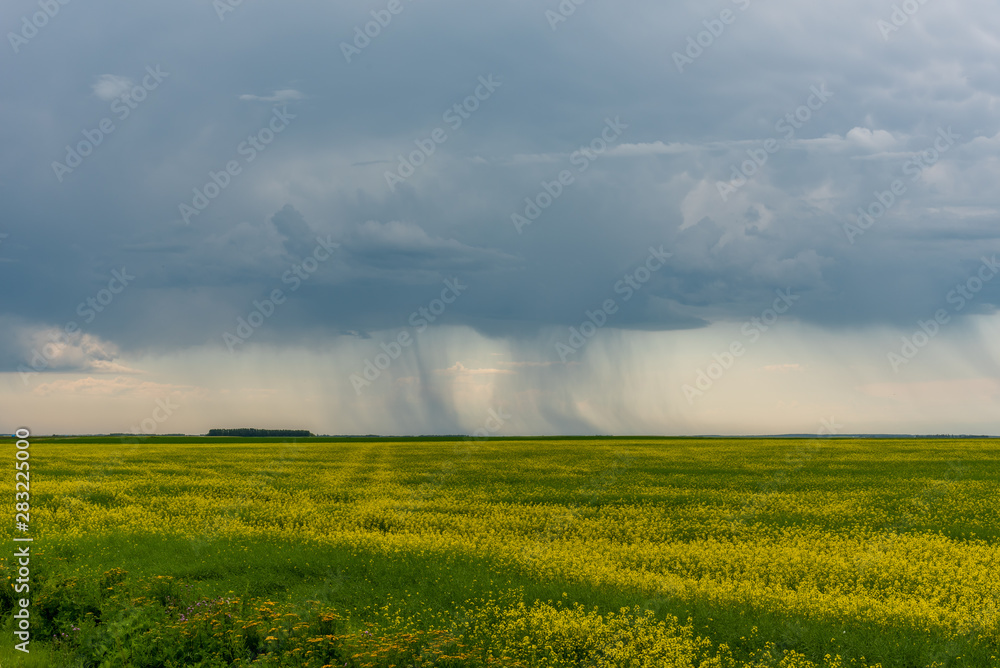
pixel 710 553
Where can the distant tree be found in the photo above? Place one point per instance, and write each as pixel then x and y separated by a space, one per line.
pixel 247 432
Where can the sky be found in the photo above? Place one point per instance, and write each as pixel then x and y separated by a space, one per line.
pixel 440 217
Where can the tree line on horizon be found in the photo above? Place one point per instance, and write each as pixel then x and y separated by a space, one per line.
pixel 247 431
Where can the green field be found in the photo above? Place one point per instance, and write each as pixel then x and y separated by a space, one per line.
pixel 716 553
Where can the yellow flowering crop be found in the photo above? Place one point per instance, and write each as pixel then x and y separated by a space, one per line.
pixel 872 537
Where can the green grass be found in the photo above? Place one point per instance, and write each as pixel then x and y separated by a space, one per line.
pixel 407 522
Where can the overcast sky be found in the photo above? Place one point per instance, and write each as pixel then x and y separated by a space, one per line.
pixel 396 217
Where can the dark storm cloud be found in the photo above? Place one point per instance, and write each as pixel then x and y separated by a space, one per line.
pixel 208 126
pixel 298 237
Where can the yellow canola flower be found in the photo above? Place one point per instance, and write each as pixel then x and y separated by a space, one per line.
pixel 857 532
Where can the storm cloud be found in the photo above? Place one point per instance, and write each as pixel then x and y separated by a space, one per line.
pixel 845 153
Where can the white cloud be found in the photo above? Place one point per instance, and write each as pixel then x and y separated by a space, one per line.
pixel 654 148
pixel 51 349
pixel 459 369
pixel 110 86
pixel 878 140
pixel 283 95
